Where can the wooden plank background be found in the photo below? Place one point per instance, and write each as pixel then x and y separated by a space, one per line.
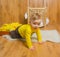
pixel 14 10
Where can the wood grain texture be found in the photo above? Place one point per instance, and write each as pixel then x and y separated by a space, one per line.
pixel 18 49
pixel 14 10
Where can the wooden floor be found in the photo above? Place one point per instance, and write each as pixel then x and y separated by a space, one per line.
pixel 18 49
